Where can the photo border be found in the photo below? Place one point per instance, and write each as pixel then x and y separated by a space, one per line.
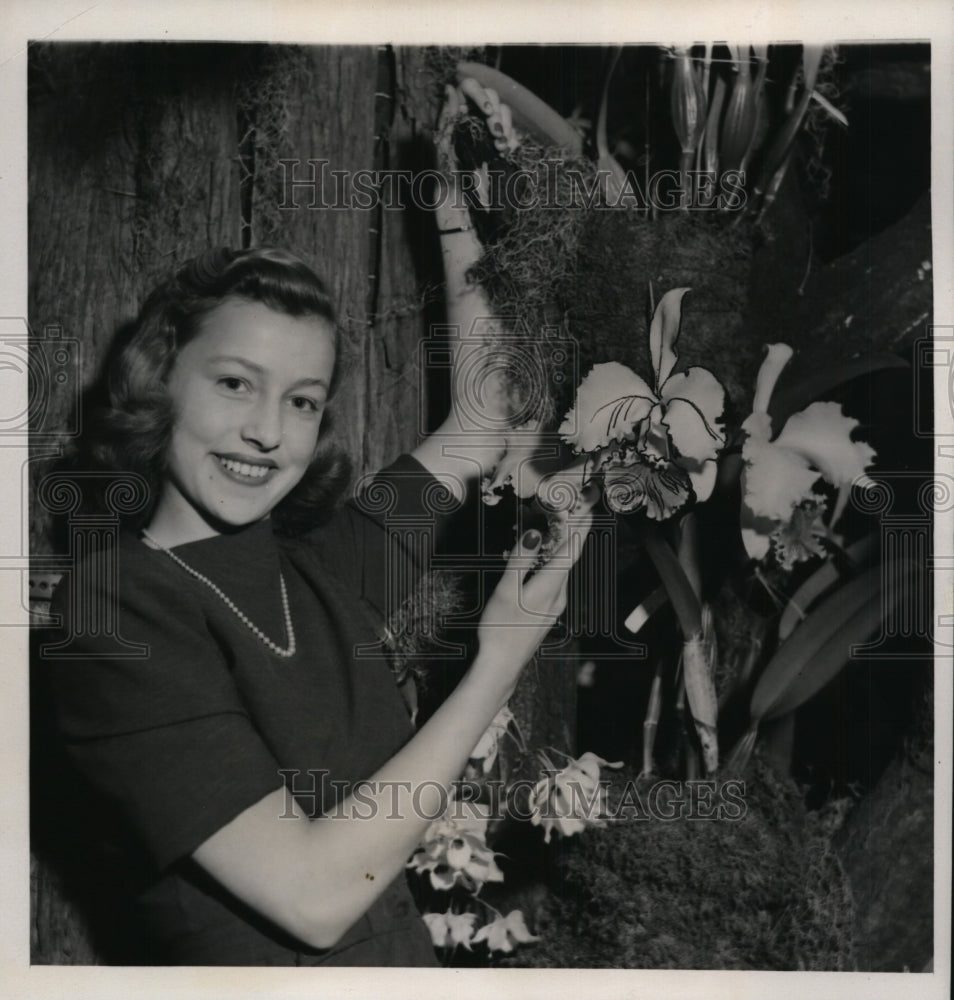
pixel 420 22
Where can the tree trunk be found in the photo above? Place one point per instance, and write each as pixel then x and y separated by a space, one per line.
pixel 142 156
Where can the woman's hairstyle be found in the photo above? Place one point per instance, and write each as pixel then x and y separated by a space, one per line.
pixel 131 427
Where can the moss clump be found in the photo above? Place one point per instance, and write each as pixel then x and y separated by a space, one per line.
pixel 763 892
pixel 553 268
pixel 413 628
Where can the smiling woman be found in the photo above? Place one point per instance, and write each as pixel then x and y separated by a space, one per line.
pixel 247 620
pixel 248 394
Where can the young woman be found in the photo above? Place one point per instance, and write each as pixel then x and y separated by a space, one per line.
pixel 250 620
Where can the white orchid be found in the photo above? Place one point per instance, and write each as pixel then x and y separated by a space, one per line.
pixel 454 849
pixel 780 505
pixel 654 446
pixel 503 932
pixel 571 799
pixel 451 929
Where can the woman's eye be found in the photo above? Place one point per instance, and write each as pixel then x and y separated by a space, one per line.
pixel 306 404
pixel 233 383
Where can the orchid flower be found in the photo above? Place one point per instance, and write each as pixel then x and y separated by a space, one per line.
pixel 654 446
pixel 488 744
pixel 780 505
pixel 454 850
pixel 503 932
pixel 451 929
pixel 571 799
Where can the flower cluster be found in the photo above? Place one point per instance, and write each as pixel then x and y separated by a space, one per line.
pixel 454 849
pixel 448 930
pixel 655 447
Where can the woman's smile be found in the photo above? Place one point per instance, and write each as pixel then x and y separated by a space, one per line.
pixel 248 394
pixel 246 471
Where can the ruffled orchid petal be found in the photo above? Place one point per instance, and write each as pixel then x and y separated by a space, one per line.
pixel 665 489
pixel 800 537
pixel 694 401
pixel 664 332
pixel 610 402
pixel 623 488
pixel 821 435
pixel 652 442
pixel 776 358
pixel 776 479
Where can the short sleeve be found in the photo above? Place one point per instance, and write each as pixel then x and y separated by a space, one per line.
pixel 164 733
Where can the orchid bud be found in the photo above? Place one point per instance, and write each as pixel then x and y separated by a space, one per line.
pixel 688 102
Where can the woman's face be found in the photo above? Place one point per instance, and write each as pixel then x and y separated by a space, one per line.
pixel 248 393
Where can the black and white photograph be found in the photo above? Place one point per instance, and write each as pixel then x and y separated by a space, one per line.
pixel 478 500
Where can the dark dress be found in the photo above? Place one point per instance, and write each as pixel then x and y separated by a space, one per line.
pixel 211 720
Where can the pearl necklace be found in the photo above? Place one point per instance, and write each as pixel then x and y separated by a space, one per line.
pixel 286 652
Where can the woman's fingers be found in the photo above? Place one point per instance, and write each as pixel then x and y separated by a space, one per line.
pixel 545 591
pixel 487 99
pixel 521 560
pixel 499 115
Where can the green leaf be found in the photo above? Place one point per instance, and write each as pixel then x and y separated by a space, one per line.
pixel 795 656
pixel 823 578
pixel 832 656
pixel 674 579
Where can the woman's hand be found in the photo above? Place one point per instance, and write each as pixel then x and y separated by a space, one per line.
pixel 529 598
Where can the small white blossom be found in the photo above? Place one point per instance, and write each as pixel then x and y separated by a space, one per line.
pixel 502 933
pixel 451 929
pixel 571 799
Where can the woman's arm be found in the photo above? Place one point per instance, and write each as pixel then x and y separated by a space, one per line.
pixel 315 878
pixel 472 439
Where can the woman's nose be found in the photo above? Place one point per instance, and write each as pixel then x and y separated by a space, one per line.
pixel 263 428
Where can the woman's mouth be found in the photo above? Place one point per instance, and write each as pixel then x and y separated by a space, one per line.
pixel 244 472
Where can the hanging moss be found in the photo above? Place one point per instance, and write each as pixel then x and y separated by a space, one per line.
pixel 553 268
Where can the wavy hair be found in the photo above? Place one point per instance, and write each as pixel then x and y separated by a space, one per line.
pixel 131 424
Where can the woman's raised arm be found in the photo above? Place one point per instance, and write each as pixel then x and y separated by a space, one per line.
pixel 315 878
pixel 473 437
